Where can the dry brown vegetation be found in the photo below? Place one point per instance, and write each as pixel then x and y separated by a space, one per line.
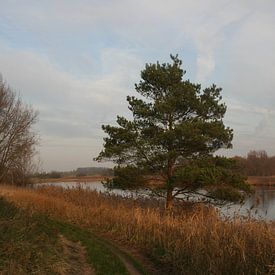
pixel 268 181
pixel 188 242
pixel 257 163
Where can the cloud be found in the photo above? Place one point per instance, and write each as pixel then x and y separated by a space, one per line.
pixel 72 110
pixel 77 60
pixel 155 25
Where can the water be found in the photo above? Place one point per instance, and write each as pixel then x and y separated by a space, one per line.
pixel 97 186
pixel 260 205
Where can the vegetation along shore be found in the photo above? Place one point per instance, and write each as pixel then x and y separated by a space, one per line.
pixel 194 241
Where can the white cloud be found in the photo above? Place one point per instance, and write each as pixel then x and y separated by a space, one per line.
pixel 42 55
pixel 71 110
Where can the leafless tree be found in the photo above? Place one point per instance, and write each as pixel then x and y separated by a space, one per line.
pixel 258 163
pixel 17 139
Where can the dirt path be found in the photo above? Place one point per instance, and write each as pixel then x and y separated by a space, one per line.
pixel 128 255
pixel 75 253
pixel 128 264
pixel 76 260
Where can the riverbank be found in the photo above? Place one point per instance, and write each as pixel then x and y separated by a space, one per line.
pixel 267 181
pixel 33 243
pixel 96 178
pixel 252 180
pixel 195 241
pixel 30 244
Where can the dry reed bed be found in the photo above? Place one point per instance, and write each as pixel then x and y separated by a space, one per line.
pixel 190 242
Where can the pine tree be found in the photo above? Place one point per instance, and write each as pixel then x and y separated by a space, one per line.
pixel 174 124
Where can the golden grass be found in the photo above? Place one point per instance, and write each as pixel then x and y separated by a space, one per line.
pixel 189 242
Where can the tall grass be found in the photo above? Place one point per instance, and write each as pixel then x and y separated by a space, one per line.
pixel 185 242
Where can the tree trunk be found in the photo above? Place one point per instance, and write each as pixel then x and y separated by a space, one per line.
pixel 169 199
pixel 169 186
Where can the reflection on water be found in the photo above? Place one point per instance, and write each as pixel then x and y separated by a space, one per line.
pixel 259 205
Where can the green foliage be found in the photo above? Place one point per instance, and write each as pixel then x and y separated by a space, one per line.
pixel 128 177
pixel 226 193
pixel 175 122
pixel 220 176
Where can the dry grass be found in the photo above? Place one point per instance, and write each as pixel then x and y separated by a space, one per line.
pixel 190 242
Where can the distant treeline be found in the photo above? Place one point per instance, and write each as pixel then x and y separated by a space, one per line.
pixel 90 171
pixel 257 163
pixel 79 172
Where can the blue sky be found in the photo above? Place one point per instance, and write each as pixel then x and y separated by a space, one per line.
pixel 76 61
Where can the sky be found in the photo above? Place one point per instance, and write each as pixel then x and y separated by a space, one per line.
pixel 76 61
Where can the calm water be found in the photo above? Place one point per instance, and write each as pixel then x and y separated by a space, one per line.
pixel 260 205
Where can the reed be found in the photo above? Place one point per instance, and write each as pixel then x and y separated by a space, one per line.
pixel 195 241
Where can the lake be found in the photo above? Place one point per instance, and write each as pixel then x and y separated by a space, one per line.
pixel 260 205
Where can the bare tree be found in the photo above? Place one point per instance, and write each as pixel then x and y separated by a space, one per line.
pixel 257 163
pixel 17 139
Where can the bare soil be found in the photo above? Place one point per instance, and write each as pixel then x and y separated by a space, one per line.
pixel 75 256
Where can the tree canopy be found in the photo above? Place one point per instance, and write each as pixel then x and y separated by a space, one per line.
pixel 174 124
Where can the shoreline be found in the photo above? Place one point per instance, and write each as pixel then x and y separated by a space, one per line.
pixel 73 179
pixel 251 180
pixel 261 180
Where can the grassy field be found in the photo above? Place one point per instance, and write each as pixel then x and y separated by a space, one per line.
pixel 28 245
pixel 33 243
pixel 195 241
